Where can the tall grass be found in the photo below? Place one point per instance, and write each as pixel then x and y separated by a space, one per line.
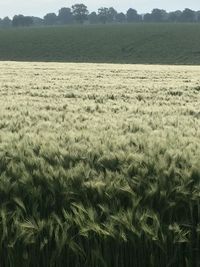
pixel 91 180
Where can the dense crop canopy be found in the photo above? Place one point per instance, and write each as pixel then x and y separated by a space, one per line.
pixel 99 165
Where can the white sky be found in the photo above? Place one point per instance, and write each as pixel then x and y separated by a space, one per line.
pixel 41 7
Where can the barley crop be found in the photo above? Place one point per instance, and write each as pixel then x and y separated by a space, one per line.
pixel 99 165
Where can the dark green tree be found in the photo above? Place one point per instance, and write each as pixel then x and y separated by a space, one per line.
pixel 112 13
pixel 65 15
pixel 6 22
pixel 120 17
pixel 22 21
pixel 188 15
pixel 158 15
pixel 103 13
pixel 174 16
pixel 50 19
pixel 133 16
pixel 198 16
pixel 80 13
pixel 37 21
pixel 93 18
pixel 147 17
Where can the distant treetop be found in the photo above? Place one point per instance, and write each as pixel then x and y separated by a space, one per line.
pixel 79 13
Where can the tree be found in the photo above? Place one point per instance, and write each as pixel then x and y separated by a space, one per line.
pixel 132 16
pixel 147 17
pixel 198 16
pixel 37 21
pixel 93 18
pixel 187 15
pixel 18 20
pixel 120 17
pixel 80 13
pixel 22 21
pixel 65 15
pixel 50 19
pixel 103 14
pixel 174 16
pixel 158 15
pixel 112 13
pixel 6 22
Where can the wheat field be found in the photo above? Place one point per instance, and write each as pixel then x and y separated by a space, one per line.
pixel 99 165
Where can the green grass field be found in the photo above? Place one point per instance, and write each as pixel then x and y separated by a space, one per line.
pixel 135 43
pixel 99 165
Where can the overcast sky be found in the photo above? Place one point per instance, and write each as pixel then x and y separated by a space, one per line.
pixel 41 7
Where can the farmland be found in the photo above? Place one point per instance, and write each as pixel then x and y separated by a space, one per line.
pixel 99 165
pixel 130 43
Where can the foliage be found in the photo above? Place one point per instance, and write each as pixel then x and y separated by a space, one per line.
pixel 121 17
pixel 65 16
pixel 5 22
pixel 107 14
pixel 99 165
pixel 22 21
pixel 93 18
pixel 132 16
pixel 50 19
pixel 103 13
pixel 188 15
pixel 80 13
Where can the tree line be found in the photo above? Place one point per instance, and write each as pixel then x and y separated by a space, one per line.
pixel 79 13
